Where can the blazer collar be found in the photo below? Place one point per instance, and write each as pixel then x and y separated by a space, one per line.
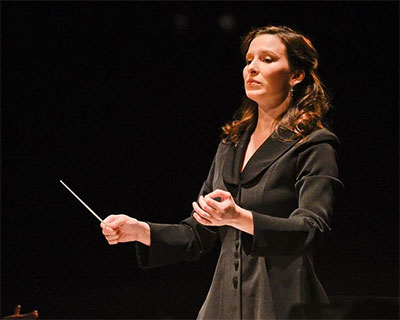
pixel 271 150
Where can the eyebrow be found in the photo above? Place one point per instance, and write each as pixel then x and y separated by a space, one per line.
pixel 265 51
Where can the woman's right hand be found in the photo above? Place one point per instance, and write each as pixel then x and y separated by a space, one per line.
pixel 122 228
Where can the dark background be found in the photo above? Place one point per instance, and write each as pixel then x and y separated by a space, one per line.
pixel 123 101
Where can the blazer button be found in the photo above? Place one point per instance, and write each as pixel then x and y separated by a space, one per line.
pixel 236 265
pixel 236 244
pixel 235 282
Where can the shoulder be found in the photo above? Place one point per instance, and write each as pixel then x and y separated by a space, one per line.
pixel 320 137
pixel 320 147
pixel 224 146
pixel 318 155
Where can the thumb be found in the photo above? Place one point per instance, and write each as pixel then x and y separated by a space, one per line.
pixel 118 222
pixel 106 222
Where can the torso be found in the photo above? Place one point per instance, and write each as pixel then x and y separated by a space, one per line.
pixel 255 142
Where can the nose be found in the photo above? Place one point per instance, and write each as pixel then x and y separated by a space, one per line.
pixel 252 67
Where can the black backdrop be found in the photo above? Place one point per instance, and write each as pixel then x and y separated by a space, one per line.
pixel 124 100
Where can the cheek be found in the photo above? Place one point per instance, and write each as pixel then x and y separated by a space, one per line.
pixel 279 77
pixel 245 73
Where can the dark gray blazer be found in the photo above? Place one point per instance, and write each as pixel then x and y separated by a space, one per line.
pixel 290 188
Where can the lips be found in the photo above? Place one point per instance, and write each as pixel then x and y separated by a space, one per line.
pixel 252 82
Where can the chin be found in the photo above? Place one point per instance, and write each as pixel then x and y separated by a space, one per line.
pixel 254 96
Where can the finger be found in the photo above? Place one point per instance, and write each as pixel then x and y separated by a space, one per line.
pixel 205 205
pixel 109 231
pixel 113 237
pixel 219 193
pixel 211 202
pixel 200 211
pixel 103 224
pixel 118 222
pixel 108 220
pixel 201 220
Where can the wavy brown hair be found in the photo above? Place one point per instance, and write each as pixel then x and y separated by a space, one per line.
pixel 309 102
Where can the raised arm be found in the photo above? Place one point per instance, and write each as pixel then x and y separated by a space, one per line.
pixel 162 244
pixel 122 228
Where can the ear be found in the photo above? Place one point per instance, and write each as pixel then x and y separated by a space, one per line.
pixel 297 77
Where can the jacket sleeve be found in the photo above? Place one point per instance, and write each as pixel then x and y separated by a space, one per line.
pixel 172 243
pixel 316 188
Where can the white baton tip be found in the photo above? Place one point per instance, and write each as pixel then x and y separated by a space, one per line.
pixel 81 201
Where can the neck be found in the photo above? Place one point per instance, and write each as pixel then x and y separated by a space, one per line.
pixel 268 117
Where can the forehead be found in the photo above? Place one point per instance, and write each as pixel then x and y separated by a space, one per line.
pixel 269 42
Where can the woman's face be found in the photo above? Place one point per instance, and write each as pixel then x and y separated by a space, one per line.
pixel 267 73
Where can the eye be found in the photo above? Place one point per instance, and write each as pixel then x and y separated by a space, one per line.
pixel 268 60
pixel 248 61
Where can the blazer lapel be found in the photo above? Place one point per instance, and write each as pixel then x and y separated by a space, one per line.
pixel 270 151
pixel 233 161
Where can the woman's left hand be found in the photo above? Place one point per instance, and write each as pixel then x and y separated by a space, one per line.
pixel 211 212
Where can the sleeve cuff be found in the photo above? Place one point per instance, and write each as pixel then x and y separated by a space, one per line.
pixel 142 254
pixel 248 239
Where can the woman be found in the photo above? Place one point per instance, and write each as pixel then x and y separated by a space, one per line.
pixel 269 193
